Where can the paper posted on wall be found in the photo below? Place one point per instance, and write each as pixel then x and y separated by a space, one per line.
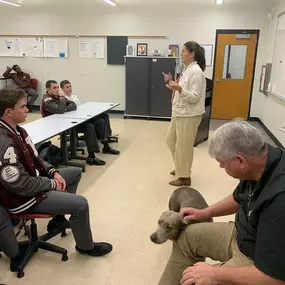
pixel 32 47
pixel 56 47
pixel 91 47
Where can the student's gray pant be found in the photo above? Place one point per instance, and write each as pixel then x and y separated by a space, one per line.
pixel 8 241
pixel 69 203
pixel 32 95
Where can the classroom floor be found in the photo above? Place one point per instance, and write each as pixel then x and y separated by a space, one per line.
pixel 126 197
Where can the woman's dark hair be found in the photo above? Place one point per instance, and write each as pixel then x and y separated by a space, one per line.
pixel 199 53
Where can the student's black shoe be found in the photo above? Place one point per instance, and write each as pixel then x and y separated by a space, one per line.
pixel 109 150
pixel 58 224
pixel 95 161
pixel 99 249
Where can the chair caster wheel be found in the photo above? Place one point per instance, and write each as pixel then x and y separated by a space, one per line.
pixel 64 257
pixel 63 234
pixel 20 274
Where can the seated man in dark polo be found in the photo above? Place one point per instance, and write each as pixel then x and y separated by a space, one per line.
pixel 53 103
pixel 23 81
pixel 29 185
pixel 251 250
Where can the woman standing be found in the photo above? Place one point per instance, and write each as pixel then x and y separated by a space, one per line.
pixel 188 106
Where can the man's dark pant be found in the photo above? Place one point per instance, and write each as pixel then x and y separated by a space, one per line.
pixel 102 126
pixel 106 118
pixel 88 129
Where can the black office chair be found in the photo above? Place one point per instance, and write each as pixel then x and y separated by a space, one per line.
pixel 36 242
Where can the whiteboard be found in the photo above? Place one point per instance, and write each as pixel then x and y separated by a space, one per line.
pixel 277 81
pixel 10 47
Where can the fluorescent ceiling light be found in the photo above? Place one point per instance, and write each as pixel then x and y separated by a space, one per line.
pixel 219 2
pixel 111 2
pixel 10 3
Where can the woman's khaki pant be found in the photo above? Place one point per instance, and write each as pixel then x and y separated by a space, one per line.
pixel 198 241
pixel 180 140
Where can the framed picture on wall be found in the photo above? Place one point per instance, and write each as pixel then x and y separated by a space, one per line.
pixel 141 49
pixel 130 50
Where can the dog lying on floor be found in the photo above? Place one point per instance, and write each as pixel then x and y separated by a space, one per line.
pixel 170 223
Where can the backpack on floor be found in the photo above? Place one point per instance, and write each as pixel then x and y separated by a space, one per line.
pixel 49 153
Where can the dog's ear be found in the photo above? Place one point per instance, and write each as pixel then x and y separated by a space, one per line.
pixel 184 224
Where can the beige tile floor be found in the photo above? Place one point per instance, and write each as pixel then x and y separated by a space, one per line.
pixel 126 198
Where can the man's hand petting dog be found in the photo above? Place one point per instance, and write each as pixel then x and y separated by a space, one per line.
pixel 192 214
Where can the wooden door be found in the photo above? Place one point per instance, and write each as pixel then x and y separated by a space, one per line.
pixel 233 75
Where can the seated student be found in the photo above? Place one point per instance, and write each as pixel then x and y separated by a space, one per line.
pixel 100 122
pixel 31 186
pixel 53 103
pixel 23 81
pixel 252 250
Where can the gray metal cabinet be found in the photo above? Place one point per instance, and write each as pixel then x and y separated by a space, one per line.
pixel 146 93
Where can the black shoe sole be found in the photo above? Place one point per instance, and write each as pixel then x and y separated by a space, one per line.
pixel 93 162
pixel 95 254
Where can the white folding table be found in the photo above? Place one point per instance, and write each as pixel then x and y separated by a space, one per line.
pixel 46 128
pixel 88 110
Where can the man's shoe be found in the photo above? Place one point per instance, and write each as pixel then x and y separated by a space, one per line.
pixel 110 150
pixel 58 224
pixel 172 172
pixel 99 249
pixel 181 182
pixel 95 161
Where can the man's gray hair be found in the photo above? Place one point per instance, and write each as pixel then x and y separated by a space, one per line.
pixel 236 138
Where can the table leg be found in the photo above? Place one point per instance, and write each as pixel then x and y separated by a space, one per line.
pixel 63 146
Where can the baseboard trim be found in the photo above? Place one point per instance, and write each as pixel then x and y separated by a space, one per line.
pixel 253 119
pixel 269 133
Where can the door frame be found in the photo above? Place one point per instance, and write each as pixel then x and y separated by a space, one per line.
pixel 251 32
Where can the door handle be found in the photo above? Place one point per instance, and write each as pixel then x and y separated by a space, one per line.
pixel 218 80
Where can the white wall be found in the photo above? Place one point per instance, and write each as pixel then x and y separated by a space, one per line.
pixel 93 79
pixel 273 111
